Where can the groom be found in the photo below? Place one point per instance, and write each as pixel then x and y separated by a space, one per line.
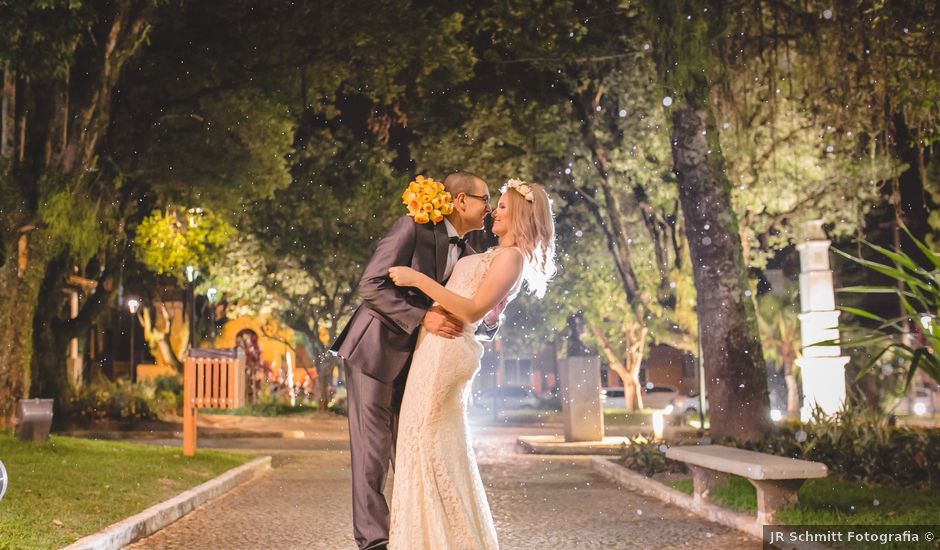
pixel 379 340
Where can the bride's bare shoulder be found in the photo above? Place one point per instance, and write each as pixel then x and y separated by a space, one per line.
pixel 509 256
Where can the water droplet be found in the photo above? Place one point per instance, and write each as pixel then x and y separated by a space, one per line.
pixel 827 14
pixel 667 101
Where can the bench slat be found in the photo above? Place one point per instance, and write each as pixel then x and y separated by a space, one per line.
pixel 748 464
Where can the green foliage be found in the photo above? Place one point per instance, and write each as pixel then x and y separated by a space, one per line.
pixel 87 485
pixel 343 198
pixel 788 166
pixel 122 401
pixel 232 152
pixel 648 457
pixel 266 408
pixel 499 137
pixel 832 501
pixel 932 187
pixel 38 38
pixel 169 241
pixel 74 219
pixel 857 445
pixel 779 328
pixel 913 337
pixel 684 37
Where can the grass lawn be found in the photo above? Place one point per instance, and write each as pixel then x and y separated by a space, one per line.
pixel 66 488
pixel 264 409
pixel 831 501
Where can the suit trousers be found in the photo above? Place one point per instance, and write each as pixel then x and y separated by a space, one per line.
pixel 373 408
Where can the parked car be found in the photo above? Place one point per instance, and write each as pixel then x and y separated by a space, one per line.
pixel 658 397
pixel 683 403
pixel 921 402
pixel 654 397
pixel 507 398
pixel 612 398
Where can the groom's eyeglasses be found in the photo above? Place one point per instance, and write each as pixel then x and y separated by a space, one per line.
pixel 484 198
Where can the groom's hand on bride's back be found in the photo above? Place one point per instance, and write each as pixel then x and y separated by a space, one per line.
pixel 438 321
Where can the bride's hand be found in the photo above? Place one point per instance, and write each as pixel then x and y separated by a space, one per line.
pixel 404 276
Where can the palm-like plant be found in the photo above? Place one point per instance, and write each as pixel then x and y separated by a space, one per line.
pixel 913 336
pixel 779 329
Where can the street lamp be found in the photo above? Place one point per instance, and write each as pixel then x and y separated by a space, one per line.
pixel 191 274
pixel 133 305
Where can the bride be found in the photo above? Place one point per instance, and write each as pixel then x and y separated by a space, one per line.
pixel 438 500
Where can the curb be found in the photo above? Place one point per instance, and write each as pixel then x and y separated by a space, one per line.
pixel 645 486
pixel 178 434
pixel 160 515
pixel 556 445
pixel 729 518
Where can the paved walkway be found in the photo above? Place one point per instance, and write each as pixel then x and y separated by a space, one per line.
pixel 539 502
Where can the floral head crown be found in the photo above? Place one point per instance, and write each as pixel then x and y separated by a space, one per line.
pixel 522 188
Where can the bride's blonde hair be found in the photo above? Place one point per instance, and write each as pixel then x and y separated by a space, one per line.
pixel 532 227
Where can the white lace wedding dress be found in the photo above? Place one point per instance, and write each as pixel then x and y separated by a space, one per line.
pixel 438 500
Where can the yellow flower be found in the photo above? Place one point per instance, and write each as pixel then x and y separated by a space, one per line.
pixel 427 200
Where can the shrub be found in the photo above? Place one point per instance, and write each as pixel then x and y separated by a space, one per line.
pixel 858 445
pixel 648 457
pixel 120 400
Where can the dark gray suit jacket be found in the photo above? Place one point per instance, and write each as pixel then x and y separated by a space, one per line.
pixel 380 337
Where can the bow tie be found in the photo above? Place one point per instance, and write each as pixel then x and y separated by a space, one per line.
pixel 461 243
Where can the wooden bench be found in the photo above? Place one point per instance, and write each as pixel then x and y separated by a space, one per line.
pixel 212 379
pixel 776 478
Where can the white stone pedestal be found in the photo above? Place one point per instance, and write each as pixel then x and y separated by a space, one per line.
pixel 823 384
pixel 822 367
pixel 580 387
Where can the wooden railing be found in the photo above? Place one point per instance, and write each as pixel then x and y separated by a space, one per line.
pixel 212 379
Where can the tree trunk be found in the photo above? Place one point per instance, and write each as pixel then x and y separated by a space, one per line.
pixel 48 365
pixel 684 38
pixel 731 349
pixel 49 130
pixel 629 368
pixel 17 310
pixel 793 396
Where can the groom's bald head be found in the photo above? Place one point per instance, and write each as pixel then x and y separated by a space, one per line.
pixel 462 182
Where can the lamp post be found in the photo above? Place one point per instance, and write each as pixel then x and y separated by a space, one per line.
pixel 191 278
pixel 132 306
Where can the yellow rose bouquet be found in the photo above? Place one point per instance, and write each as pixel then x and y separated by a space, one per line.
pixel 427 201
